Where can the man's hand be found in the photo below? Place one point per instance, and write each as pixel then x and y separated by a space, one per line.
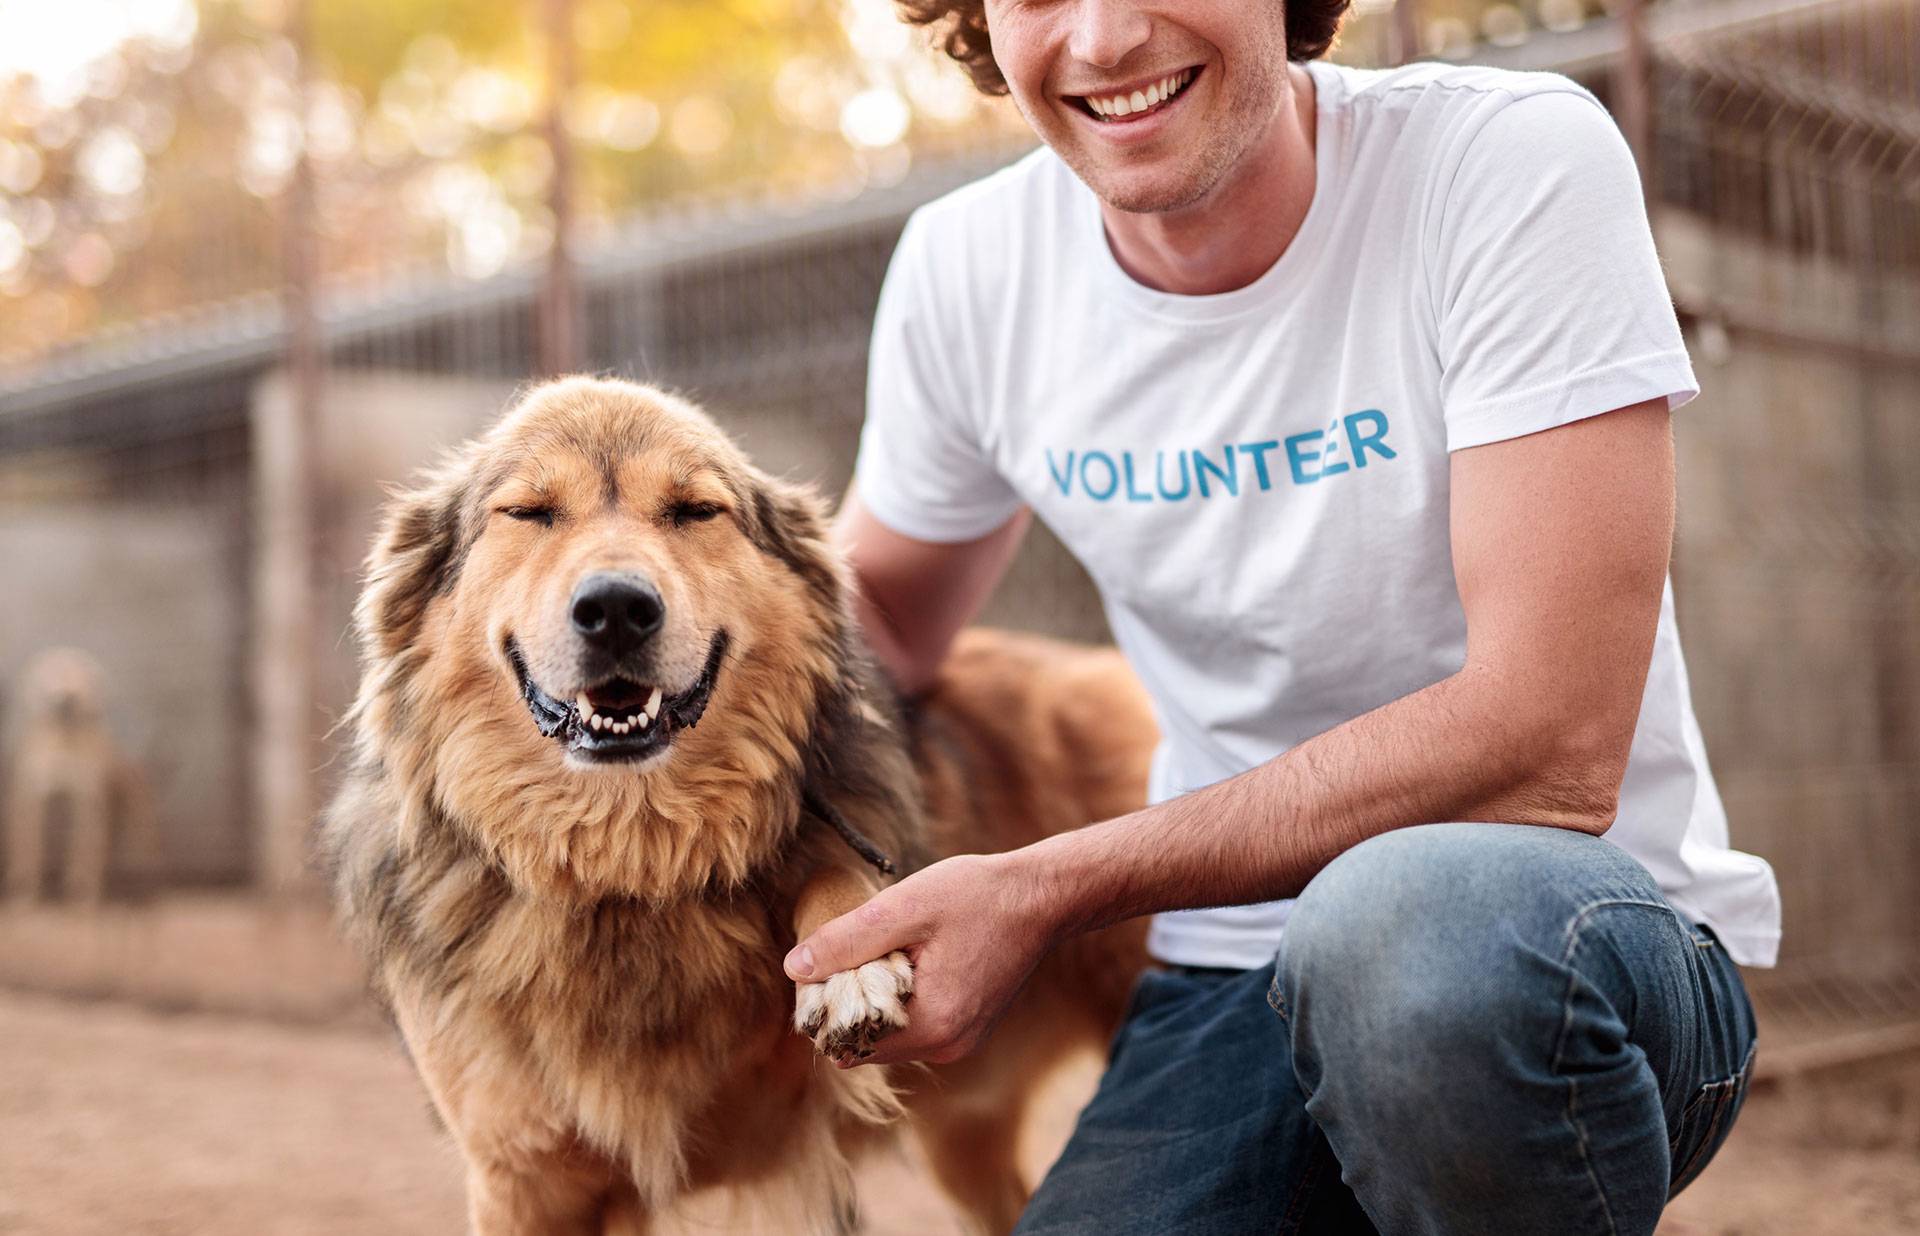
pixel 975 927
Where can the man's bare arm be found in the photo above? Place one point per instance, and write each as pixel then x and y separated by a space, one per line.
pixel 1561 542
pixel 914 596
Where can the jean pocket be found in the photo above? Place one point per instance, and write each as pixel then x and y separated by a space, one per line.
pixel 1705 1123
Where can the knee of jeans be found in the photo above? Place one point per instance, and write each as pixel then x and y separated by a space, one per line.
pixel 1371 896
pixel 1403 945
pixel 1391 892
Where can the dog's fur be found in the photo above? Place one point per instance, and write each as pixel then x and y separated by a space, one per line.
pixel 64 765
pixel 582 949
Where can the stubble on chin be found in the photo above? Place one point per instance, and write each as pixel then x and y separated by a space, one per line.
pixel 1192 174
pixel 1195 176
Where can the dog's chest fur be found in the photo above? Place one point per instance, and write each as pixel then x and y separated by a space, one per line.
pixel 658 1033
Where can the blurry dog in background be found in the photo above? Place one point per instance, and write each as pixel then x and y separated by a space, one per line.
pixel 64 769
pixel 618 747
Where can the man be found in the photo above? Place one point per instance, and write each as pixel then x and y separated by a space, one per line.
pixel 1308 366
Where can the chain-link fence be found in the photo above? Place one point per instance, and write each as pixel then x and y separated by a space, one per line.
pixel 144 470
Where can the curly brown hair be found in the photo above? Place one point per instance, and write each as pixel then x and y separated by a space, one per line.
pixel 961 27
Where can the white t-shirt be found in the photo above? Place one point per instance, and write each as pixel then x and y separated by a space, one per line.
pixel 1257 480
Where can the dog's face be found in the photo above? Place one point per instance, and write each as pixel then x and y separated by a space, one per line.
pixel 62 690
pixel 612 580
pixel 597 640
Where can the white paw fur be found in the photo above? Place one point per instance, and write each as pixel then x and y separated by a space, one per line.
pixel 849 1012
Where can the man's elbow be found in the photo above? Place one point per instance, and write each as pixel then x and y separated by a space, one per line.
pixel 911 671
pixel 911 677
pixel 1576 783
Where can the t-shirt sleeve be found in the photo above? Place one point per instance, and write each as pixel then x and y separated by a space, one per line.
pixel 923 469
pixel 1551 303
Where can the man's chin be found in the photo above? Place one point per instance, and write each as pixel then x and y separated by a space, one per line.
pixel 1148 193
pixel 1154 199
pixel 1143 185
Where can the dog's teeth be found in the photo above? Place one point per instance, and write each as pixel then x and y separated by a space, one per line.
pixel 653 704
pixel 643 720
pixel 586 705
pixel 596 720
pixel 633 721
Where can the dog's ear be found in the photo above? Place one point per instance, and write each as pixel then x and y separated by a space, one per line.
pixel 413 558
pixel 789 522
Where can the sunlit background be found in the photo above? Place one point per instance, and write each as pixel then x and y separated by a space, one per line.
pixel 145 143
pixel 261 258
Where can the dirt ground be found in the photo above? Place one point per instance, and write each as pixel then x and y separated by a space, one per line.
pixel 115 1119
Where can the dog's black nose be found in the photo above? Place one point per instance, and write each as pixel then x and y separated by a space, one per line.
pixel 617 612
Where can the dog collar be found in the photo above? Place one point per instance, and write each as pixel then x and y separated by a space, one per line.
pixel 848 833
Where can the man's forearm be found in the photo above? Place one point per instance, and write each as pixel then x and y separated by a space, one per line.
pixel 1457 750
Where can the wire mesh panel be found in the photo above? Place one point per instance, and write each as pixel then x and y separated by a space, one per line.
pixel 1787 156
pixel 123 534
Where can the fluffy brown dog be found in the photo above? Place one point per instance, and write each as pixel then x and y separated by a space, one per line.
pixel 614 717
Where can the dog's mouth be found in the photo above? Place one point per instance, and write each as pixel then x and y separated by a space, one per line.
pixel 619 720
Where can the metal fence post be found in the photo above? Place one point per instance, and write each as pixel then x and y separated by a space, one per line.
pixel 284 490
pixel 1632 90
pixel 1403 43
pixel 559 330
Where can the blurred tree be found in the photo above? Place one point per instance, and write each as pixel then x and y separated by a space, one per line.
pixel 141 179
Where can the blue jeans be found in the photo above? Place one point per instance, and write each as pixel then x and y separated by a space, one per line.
pixel 1469 1028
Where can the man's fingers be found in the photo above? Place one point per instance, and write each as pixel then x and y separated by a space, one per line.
pixel 855 938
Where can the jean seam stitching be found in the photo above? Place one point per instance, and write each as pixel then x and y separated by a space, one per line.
pixel 1725 1093
pixel 1566 1025
pixel 1722 1099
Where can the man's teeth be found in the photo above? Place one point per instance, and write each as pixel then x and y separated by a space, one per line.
pixel 1140 100
pixel 600 721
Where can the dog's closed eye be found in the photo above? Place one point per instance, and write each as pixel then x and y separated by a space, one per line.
pixel 542 515
pixel 684 513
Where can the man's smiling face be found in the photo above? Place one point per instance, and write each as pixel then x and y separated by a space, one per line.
pixel 1151 103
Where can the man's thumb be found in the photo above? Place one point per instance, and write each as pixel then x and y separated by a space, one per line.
pixel 853 939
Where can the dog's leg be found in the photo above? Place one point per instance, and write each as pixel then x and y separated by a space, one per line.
pixel 624 1215
pixel 537 1191
pixel 850 1011
pixel 972 1156
pixel 527 1171
pixel 89 845
pixel 27 805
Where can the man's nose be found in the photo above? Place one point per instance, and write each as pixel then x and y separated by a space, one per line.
pixel 1105 32
pixel 616 611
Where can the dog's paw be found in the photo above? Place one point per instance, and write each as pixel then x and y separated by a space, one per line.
pixel 851 1011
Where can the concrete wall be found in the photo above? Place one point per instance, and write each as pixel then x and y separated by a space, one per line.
pixel 1797 577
